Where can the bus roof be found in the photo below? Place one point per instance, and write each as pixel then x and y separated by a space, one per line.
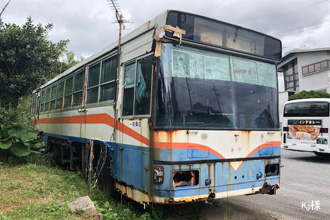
pixel 158 21
pixel 151 24
pixel 309 100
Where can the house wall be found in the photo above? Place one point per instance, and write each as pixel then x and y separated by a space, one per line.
pixel 315 81
pixel 282 98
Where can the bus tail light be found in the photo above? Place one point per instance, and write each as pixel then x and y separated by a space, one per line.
pixel 324 130
pixel 285 128
pixel 185 178
pixel 158 175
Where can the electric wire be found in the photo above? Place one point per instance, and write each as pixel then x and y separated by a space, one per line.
pixel 302 28
pixel 286 13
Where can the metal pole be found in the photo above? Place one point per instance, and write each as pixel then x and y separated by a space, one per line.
pixel 90 167
pixel 120 21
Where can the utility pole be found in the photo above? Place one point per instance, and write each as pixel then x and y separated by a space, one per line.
pixel 120 20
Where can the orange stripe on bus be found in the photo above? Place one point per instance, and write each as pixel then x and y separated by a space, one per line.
pixel 95 119
pixel 166 145
pixel 265 145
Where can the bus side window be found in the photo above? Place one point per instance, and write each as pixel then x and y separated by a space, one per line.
pixel 43 98
pixel 59 95
pixel 93 83
pixel 129 89
pixel 143 86
pixel 46 109
pixel 33 105
pixel 68 92
pixel 137 90
pixel 53 97
pixel 108 79
pixel 78 84
pixel 38 106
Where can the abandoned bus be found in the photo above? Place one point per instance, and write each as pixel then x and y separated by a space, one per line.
pixel 186 111
pixel 305 125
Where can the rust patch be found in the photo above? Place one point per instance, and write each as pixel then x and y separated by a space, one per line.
pixel 170 136
pixel 268 189
pixel 184 200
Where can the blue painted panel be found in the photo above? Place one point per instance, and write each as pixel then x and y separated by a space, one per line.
pixel 197 154
pixel 268 151
pixel 223 178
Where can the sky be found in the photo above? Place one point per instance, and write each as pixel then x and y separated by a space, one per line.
pixel 90 24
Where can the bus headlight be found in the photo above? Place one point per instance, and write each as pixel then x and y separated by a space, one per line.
pixel 158 175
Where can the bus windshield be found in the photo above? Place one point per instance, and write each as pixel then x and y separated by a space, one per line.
pixel 199 89
pixel 306 109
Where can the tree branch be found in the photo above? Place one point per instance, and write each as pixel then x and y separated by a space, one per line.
pixel 9 70
pixel 4 8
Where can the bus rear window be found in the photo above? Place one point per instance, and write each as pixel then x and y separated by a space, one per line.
pixel 306 109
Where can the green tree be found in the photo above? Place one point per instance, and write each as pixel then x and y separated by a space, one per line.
pixel 27 58
pixel 309 94
pixel 68 60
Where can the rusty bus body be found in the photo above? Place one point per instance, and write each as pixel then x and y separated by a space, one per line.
pixel 189 114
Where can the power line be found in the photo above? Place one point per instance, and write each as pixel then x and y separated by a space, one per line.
pixel 289 12
pixel 299 31
pixel 316 23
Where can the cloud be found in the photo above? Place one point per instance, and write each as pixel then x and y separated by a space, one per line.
pixel 89 24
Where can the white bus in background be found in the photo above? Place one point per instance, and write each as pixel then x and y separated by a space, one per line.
pixel 306 125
